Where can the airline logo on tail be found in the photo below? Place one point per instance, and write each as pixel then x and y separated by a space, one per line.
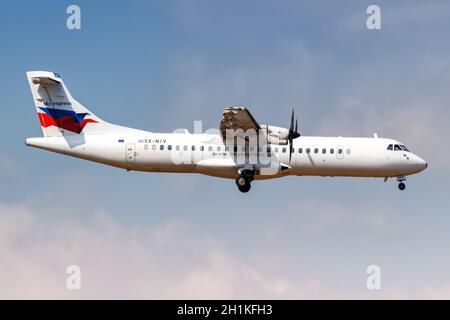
pixel 65 119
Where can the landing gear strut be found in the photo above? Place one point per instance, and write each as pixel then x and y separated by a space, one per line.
pixel 401 185
pixel 244 180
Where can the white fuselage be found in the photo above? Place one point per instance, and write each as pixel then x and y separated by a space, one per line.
pixel 207 154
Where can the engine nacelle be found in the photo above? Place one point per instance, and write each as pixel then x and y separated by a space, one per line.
pixel 276 135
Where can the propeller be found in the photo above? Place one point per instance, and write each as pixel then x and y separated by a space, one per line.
pixel 293 134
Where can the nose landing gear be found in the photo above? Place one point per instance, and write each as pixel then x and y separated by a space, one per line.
pixel 244 180
pixel 401 185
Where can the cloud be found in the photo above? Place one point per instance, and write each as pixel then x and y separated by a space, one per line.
pixel 316 217
pixel 165 261
pixel 441 292
pixel 170 260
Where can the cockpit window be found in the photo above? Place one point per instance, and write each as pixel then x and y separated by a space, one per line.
pixel 397 147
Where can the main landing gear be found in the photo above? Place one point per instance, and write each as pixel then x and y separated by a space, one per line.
pixel 401 185
pixel 244 180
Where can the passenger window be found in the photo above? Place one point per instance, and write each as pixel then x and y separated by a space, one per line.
pixel 177 148
pixel 268 151
pixel 185 148
pixel 145 146
pixel 397 148
pixel 389 147
pixel 340 151
pixel 348 151
pixel 308 150
pixel 316 150
pixel 300 150
pixel 193 148
pixel 332 151
pixel 161 147
pixel 283 150
pixel 169 147
pixel 218 148
pixel 210 148
pixel 227 148
pixel 276 150
pixel 324 150
pixel 202 148
pixel 154 147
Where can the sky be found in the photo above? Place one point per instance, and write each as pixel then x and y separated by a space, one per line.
pixel 161 65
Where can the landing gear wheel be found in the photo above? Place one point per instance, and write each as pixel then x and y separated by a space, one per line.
pixel 401 186
pixel 243 184
pixel 245 188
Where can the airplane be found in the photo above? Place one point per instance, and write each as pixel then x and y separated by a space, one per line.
pixel 230 152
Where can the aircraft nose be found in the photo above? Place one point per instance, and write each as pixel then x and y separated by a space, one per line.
pixel 420 163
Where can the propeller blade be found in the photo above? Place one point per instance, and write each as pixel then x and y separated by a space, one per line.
pixel 291 128
pixel 290 150
pixel 293 133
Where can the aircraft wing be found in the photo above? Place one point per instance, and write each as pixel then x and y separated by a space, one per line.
pixel 237 118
